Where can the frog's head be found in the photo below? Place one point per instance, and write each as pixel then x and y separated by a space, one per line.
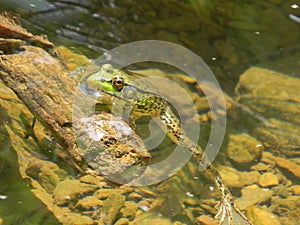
pixel 110 81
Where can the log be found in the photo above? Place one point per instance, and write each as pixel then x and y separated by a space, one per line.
pixel 39 77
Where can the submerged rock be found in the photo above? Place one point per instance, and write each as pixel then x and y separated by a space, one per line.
pixel 129 209
pixel 96 180
pixel 122 221
pixel 74 218
pixel 111 208
pixel 149 218
pixel 48 174
pixel 288 209
pixel 243 149
pixel 231 177
pixel 272 99
pixel 249 178
pixel 89 202
pixel 68 190
pixel 261 167
pixel 296 189
pixel 268 180
pixel 262 217
pixel 253 195
pixel 71 194
pixel 288 165
pixel 206 220
pixel 282 137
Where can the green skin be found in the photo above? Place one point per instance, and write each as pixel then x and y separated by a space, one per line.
pixel 141 100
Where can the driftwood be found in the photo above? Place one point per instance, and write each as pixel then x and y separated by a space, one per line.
pixel 34 70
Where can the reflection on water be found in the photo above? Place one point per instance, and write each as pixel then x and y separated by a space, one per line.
pixel 230 37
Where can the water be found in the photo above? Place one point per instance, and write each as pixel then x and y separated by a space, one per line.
pixel 17 203
pixel 229 36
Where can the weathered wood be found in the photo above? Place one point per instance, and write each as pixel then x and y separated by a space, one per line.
pixel 40 80
pixel 10 27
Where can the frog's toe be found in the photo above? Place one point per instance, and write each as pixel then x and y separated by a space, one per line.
pixel 224 214
pixel 229 214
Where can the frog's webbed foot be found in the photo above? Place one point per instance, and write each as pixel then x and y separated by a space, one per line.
pixel 225 211
pixel 229 213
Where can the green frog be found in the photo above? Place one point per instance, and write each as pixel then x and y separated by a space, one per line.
pixel 139 100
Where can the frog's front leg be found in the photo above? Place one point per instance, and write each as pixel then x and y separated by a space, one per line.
pixel 124 110
pixel 128 116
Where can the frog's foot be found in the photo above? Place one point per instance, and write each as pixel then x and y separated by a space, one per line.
pixel 225 211
pixel 230 214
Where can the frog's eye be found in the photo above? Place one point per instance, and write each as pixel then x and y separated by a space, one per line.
pixel 118 83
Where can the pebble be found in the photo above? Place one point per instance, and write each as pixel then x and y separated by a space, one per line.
pixel 177 223
pixel 249 178
pixel 74 218
pixel 206 220
pixel 144 205
pixel 186 79
pixel 69 190
pixel 111 208
pixel 96 180
pixel 126 190
pixel 244 149
pixel 261 167
pixel 288 165
pixel 104 193
pixel 262 217
pixel 252 195
pixel 268 180
pixel 296 189
pixel 231 177
pixel 122 221
pixel 89 202
pixel 134 196
pixel 281 190
pixel 236 179
pixel 149 218
pixel 269 157
pixel 146 192
pixel 129 209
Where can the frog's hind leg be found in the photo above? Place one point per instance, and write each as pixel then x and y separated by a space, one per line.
pixel 228 210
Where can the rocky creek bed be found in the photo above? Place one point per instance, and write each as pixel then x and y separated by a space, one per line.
pixel 260 165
